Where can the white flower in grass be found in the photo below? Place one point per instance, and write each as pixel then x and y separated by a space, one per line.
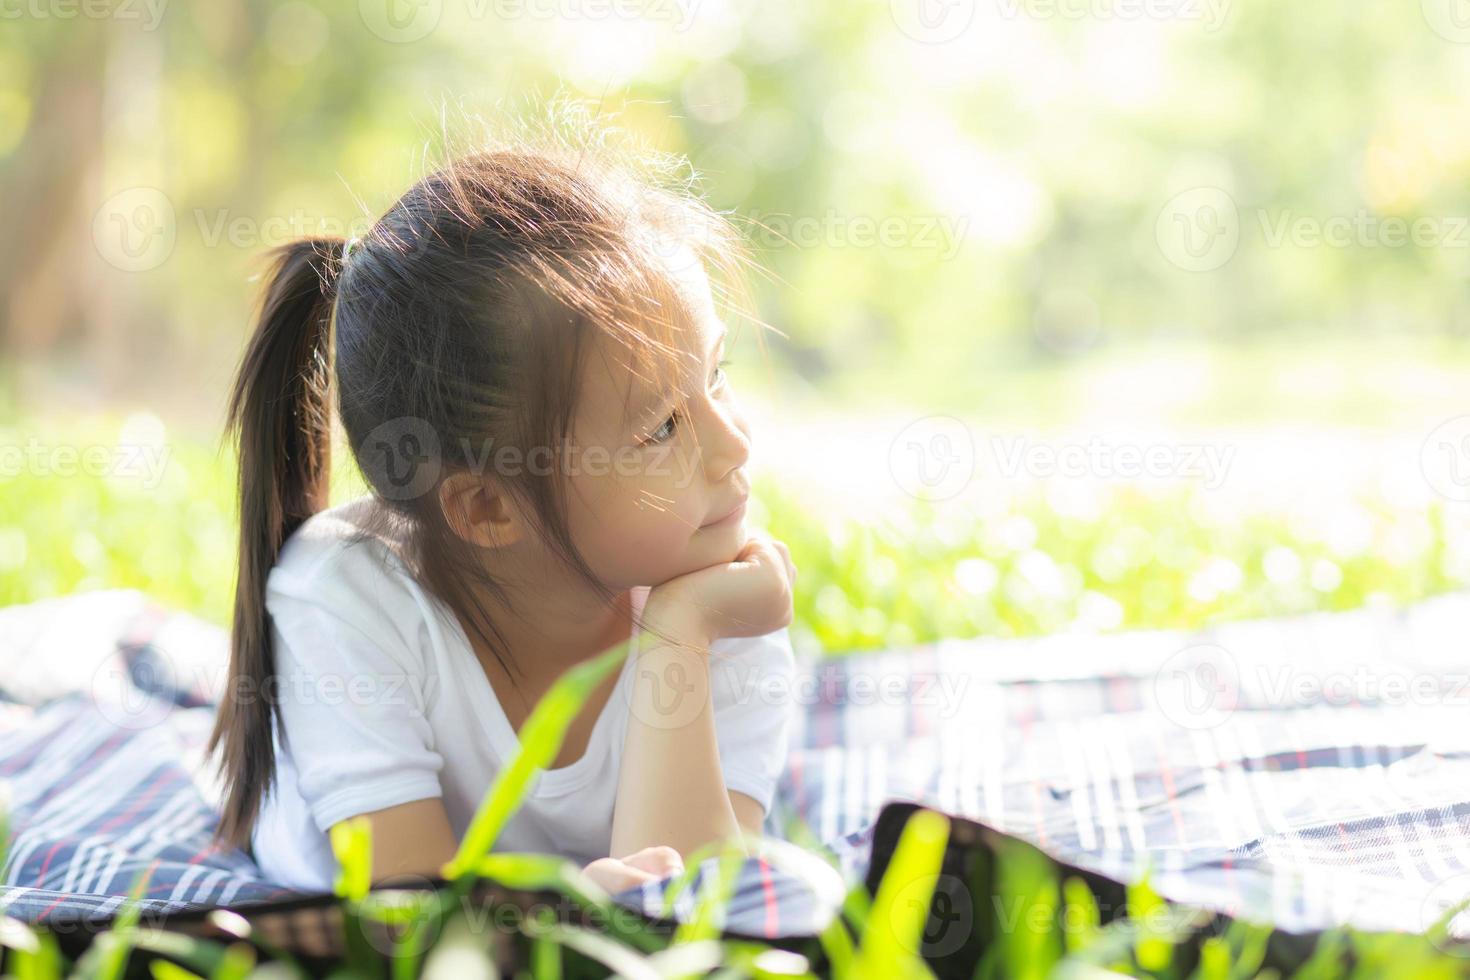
pixel 1326 575
pixel 1282 566
pixel 1218 577
pixel 976 576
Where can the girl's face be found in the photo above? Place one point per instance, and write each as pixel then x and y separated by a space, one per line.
pixel 649 483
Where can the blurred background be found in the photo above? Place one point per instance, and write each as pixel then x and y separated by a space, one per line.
pixel 1093 314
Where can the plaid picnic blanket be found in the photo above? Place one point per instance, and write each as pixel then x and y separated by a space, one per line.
pixel 1306 772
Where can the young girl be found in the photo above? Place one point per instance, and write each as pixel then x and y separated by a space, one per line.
pixel 525 352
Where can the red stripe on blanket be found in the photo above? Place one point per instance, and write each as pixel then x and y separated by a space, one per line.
pixel 773 912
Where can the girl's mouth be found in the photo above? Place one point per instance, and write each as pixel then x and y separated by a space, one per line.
pixel 732 517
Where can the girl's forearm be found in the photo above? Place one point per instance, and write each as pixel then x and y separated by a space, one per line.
pixel 671 789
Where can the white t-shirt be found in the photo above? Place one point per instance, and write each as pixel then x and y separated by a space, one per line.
pixel 383 702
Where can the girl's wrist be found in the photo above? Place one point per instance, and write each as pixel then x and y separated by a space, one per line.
pixel 680 622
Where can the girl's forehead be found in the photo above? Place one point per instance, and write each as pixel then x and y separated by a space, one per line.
pixel 632 374
pixel 626 380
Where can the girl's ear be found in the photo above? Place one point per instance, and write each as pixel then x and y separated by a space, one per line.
pixel 478 512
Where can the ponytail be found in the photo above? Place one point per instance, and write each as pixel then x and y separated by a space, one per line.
pixel 280 414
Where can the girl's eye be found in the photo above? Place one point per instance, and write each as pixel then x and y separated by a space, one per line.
pixel 666 431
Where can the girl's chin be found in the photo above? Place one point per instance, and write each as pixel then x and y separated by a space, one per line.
pixel 726 541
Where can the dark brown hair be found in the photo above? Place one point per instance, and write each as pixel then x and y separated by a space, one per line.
pixel 461 316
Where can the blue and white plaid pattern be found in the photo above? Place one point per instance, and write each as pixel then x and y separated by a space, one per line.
pixel 1306 772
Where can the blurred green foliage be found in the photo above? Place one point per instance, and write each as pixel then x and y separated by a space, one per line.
pixel 937 215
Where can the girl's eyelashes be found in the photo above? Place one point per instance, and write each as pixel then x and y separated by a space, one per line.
pixel 670 425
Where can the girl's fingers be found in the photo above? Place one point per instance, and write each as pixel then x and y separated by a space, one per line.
pixel 659 860
pixel 785 553
pixel 616 876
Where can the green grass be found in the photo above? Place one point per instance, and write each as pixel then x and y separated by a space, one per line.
pixel 1124 558
pixel 1132 559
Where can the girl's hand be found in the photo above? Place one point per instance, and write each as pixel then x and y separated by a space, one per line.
pixel 750 596
pixel 649 864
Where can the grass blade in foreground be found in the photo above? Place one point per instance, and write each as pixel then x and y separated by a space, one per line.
pixel 540 739
pixel 890 945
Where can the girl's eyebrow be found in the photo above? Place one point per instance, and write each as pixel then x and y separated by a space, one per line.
pixel 656 399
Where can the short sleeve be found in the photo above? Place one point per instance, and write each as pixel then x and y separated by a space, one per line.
pixel 752 689
pixel 351 689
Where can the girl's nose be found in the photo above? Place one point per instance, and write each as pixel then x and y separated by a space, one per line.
pixel 725 440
